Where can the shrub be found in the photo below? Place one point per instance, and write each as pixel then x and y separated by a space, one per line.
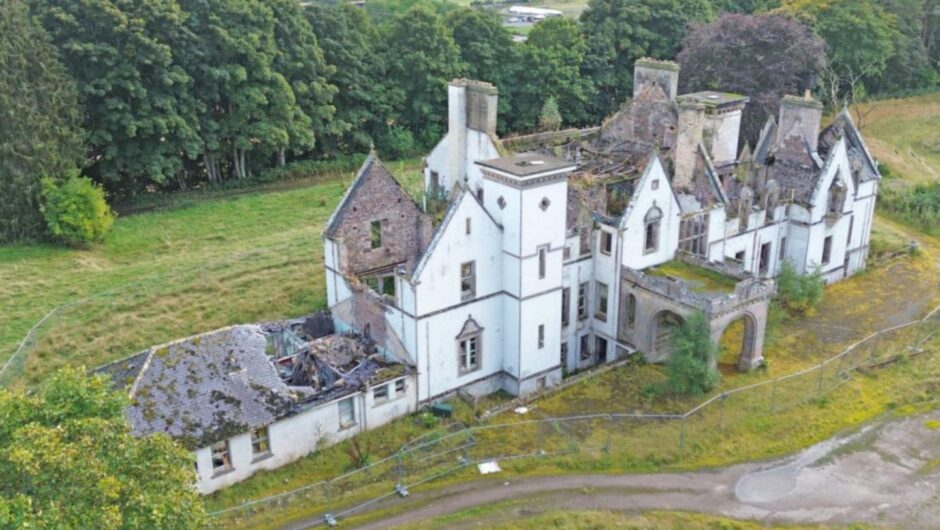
pixel 799 293
pixel 75 210
pixel 691 369
pixel 395 143
pixel 550 117
pixel 918 206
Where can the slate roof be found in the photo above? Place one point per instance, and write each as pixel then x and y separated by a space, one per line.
pixel 208 388
pixel 842 126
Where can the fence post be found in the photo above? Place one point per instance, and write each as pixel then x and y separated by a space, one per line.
pixel 610 428
pixel 721 411
pixel 773 396
pixel 822 368
pixel 682 433
pixel 874 348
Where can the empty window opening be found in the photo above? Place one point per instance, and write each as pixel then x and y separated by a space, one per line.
pixel 607 242
pixel 400 387
pixel 693 235
pixel 347 413
pixel 764 258
pixel 565 302
pixel 585 347
pixel 375 234
pixel 564 354
pixel 542 258
pixel 739 257
pixel 541 336
pixel 221 457
pixel 468 281
pixel 652 220
pixel 827 250
pixel 600 346
pixel 782 252
pixel 600 311
pixel 260 441
pixel 468 226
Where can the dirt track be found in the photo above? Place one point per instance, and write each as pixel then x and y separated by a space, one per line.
pixel 886 473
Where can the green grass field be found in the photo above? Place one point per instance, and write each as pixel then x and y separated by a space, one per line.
pixel 903 133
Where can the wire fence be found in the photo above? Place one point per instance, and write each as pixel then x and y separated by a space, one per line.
pixel 624 436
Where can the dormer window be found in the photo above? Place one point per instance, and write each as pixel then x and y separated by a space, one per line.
pixel 651 240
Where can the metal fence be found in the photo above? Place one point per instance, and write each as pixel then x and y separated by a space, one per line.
pixel 627 437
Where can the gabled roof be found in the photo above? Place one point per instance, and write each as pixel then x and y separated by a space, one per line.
pixel 641 185
pixel 842 126
pixel 461 194
pixel 372 168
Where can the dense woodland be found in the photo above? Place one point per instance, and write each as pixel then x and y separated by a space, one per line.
pixel 164 95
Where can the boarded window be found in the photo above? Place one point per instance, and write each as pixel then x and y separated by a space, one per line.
pixel 260 443
pixel 347 413
pixel 375 234
pixel 600 311
pixel 468 281
pixel 221 457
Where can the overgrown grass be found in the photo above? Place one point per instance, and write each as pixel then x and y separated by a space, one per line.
pixel 700 279
pixel 171 273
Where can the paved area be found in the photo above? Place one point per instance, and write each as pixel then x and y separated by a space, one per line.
pixel 886 473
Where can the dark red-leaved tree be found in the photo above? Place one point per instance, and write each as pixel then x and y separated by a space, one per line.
pixel 761 56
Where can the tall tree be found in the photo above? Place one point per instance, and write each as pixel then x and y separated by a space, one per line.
pixel 909 66
pixel 247 106
pixel 421 58
pixel 68 460
pixel 761 56
pixel 40 133
pixel 618 33
pixel 300 60
pixel 860 35
pixel 348 39
pixel 551 68
pixel 487 50
pixel 137 103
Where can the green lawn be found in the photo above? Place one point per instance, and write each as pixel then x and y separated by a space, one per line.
pixel 172 273
pixel 903 133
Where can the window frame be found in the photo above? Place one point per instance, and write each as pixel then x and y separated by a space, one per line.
pixel 465 355
pixel 226 458
pixel 601 302
pixel 827 250
pixel 378 400
pixel 651 233
pixel 257 441
pixel 352 413
pixel 468 281
pixel 565 304
pixel 582 300
pixel 403 384
pixel 606 243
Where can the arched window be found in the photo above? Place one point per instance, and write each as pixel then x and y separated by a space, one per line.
pixel 652 220
pixel 836 196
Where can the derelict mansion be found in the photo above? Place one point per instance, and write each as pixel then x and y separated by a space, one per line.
pixel 547 253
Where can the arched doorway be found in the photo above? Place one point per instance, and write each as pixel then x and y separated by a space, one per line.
pixel 736 342
pixel 662 327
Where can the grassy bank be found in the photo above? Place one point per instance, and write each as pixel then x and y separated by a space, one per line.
pixel 902 133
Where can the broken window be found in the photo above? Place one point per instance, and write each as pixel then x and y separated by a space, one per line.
pixel 543 251
pixel 827 250
pixel 541 336
pixel 607 242
pixel 347 413
pixel 600 312
pixel 585 347
pixel 380 393
pixel 652 220
pixel 375 234
pixel 739 257
pixel 221 457
pixel 400 386
pixel 836 196
pixel 693 235
pixel 764 258
pixel 468 281
pixel 564 354
pixel 565 302
pixel 469 353
pixel 260 444
pixel 582 301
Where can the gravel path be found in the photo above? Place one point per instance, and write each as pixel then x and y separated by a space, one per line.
pixel 886 473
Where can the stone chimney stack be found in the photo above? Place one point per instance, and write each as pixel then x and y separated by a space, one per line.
pixel 655 80
pixel 691 126
pixel 799 123
pixel 471 105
